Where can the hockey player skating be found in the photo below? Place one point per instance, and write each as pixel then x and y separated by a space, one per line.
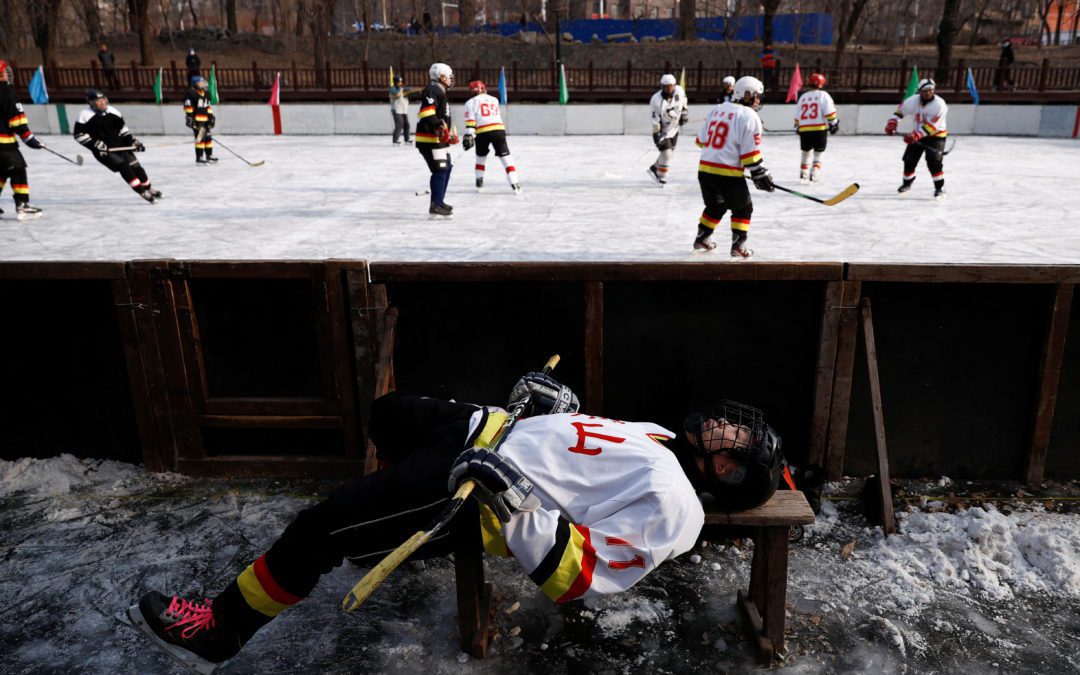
pixel 586 505
pixel 484 126
pixel 669 113
pixel 434 136
pixel 199 117
pixel 815 113
pixel 100 129
pixel 730 142
pixel 729 87
pixel 13 126
pixel 930 112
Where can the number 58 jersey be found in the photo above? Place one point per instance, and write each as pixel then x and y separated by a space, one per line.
pixel 730 140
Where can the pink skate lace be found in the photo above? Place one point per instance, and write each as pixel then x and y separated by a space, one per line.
pixel 195 615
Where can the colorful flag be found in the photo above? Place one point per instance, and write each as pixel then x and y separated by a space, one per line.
pixel 391 76
pixel 682 79
pixel 157 87
pixel 564 93
pixel 39 93
pixel 795 86
pixel 212 86
pixel 971 88
pixel 913 83
pixel 502 86
pixel 275 93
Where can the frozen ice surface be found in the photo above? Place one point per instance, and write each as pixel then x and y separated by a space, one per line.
pixel 1010 200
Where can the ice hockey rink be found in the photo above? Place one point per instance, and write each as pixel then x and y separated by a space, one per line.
pixel 1010 200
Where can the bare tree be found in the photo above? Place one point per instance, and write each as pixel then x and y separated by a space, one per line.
pixel 230 15
pixel 466 15
pixel 44 17
pixel 687 17
pixel 731 29
pixel 947 30
pixel 88 12
pixel 847 13
pixel 139 11
pixel 319 15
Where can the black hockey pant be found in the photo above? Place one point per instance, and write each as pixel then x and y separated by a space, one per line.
pixel 438 161
pixel 126 164
pixel 401 126
pixel 13 170
pixel 721 193
pixel 934 147
pixel 418 439
pixel 206 145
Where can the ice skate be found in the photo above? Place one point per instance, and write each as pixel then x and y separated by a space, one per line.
pixel 740 252
pixel 516 188
pixel 201 161
pixel 815 176
pixel 905 186
pixel 441 211
pixel 804 177
pixel 939 193
pixel 27 212
pixel 186 630
pixel 654 174
pixel 703 244
pixel 479 184
pixel 148 195
pixel 211 159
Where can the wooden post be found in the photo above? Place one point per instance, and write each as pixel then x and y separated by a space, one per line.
pixel 97 79
pixel 629 74
pixel 473 593
pixel 959 75
pixel 364 312
pixel 888 522
pixel 1049 378
pixel 826 368
pixel 366 75
pixel 594 347
pixel 844 370
pixel 295 78
pixel 254 75
pixel 700 84
pixel 590 75
pixel 858 76
pixel 1043 74
pixel 329 77
pixel 514 75
pixel 175 76
pixel 903 75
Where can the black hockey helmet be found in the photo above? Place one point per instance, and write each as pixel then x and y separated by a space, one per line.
pixel 93 95
pixel 398 79
pixel 740 433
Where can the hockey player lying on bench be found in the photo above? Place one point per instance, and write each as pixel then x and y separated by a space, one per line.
pixel 604 503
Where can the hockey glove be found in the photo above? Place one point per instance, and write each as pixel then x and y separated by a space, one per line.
pixel 546 396
pixel 684 117
pixel 190 122
pixel 33 143
pixel 210 124
pixel 664 144
pixel 499 483
pixel 913 137
pixel 468 141
pixel 890 127
pixel 139 147
pixel 834 127
pixel 101 149
pixel 762 179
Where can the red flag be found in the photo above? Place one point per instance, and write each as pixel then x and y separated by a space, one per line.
pixel 795 86
pixel 275 103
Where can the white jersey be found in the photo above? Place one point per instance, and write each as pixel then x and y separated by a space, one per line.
pixel 929 117
pixel 667 111
pixel 815 111
pixel 614 503
pixel 482 114
pixel 730 140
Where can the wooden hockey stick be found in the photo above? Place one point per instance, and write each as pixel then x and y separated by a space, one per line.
pixel 237 155
pixel 378 574
pixel 78 161
pixel 831 201
pixel 939 153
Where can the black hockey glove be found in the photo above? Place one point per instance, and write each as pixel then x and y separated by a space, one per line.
pixel 834 126
pixel 499 483
pixel 101 149
pixel 664 144
pixel 656 139
pixel 34 143
pixel 210 123
pixel 546 396
pixel 190 122
pixel 762 179
pixel 139 147
pixel 468 141
pixel 684 117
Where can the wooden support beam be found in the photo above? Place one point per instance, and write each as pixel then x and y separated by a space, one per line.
pixel 1049 379
pixel 888 521
pixel 362 317
pixel 844 371
pixel 826 368
pixel 342 373
pixel 138 377
pixel 594 347
pixel 474 595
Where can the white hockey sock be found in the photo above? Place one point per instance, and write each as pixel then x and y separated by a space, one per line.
pixel 511 172
pixel 804 163
pixel 664 161
pixel 481 163
pixel 817 162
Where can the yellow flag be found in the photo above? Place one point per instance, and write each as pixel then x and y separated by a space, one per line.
pixel 682 79
pixel 391 76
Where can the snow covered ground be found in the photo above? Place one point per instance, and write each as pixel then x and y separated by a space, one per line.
pixel 1011 200
pixel 980 590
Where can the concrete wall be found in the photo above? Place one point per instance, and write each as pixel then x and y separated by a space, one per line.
pixel 1054 121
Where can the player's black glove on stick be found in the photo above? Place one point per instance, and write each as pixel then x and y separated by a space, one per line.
pixel 139 147
pixel 499 483
pixel 190 122
pixel 468 142
pixel 684 117
pixel 762 179
pixel 546 395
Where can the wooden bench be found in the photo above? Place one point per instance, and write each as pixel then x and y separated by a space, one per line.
pixel 762 609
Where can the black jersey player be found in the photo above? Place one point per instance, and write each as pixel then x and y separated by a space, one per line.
pixel 434 136
pixel 102 130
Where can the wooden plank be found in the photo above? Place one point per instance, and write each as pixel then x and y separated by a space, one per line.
pixel 284 406
pixel 594 348
pixel 786 507
pixel 387 272
pixel 776 586
pixel 344 377
pixel 253 269
pixel 60 270
pixel 321 313
pixel 137 375
pixel 271 421
pixel 936 273
pixel 826 368
pixel 271 466
pixel 188 441
pixel 753 625
pixel 188 330
pixel 888 522
pixel 1049 380
pixel 362 315
pixel 468 575
pixel 384 365
pixel 843 374
pixel 758 571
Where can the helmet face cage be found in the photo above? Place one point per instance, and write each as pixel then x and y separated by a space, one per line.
pixel 731 428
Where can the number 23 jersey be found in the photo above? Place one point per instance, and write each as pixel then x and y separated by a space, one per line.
pixel 730 140
pixel 614 503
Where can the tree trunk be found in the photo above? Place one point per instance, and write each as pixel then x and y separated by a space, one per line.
pixel 975 29
pixel 848 17
pixel 139 10
pixel 194 16
pixel 770 7
pixel 320 14
pixel 44 18
pixel 687 16
pixel 1060 17
pixel 90 14
pixel 230 15
pixel 466 15
pixel 577 9
pixel 947 31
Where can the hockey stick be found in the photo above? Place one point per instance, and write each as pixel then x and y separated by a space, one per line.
pixel 77 161
pixel 378 574
pixel 831 201
pixel 940 153
pixel 237 155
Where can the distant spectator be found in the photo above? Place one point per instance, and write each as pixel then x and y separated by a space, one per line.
pixel 524 23
pixel 194 64
pixel 108 64
pixel 414 24
pixel 768 66
pixel 429 25
pixel 1005 62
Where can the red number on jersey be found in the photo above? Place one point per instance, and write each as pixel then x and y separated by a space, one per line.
pixel 809 111
pixel 489 109
pixel 717 134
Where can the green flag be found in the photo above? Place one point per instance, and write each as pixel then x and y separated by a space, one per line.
pixel 913 83
pixel 157 87
pixel 564 94
pixel 212 86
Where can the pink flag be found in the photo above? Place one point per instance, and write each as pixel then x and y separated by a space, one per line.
pixel 275 93
pixel 792 92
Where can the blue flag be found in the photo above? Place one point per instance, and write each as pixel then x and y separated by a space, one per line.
pixel 502 86
pixel 971 88
pixel 39 94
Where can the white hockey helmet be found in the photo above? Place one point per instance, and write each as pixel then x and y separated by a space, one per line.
pixel 926 84
pixel 747 84
pixel 438 71
pixel 729 80
pixel 667 79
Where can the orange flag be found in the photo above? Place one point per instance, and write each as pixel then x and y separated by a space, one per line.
pixel 795 86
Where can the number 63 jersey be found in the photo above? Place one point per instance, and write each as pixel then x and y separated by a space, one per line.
pixel 614 503
pixel 730 140
pixel 482 114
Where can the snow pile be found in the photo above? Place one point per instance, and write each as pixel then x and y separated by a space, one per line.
pixel 616 614
pixel 65 473
pixel 979 550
